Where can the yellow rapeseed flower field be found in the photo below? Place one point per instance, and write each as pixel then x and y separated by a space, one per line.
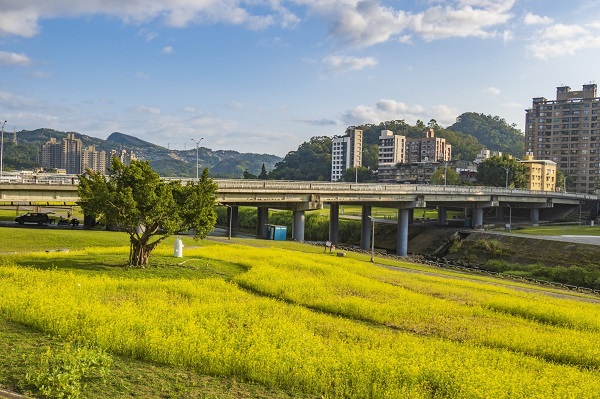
pixel 322 325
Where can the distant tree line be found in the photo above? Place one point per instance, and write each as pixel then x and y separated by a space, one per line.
pixel 469 135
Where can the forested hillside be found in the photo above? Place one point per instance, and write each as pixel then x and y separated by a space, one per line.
pixel 491 131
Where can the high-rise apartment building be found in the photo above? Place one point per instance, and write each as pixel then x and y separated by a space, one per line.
pixel 566 131
pixel 70 156
pixel 51 154
pixel 71 159
pixel 392 148
pixel 346 153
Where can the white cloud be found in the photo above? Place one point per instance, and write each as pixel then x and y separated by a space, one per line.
pixel 561 40
pixel 444 114
pixel 142 75
pixel 344 63
pixel 21 17
pixel 14 59
pixel 492 91
pixel 356 23
pixel 532 19
pixel 470 19
pixel 146 110
pixel 147 34
pixel 168 50
pixel 384 110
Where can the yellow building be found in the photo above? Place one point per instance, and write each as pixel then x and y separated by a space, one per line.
pixel 541 174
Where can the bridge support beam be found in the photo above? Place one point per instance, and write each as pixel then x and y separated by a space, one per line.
pixel 478 218
pixel 402 240
pixel 334 223
pixel 365 228
pixel 262 219
pixel 535 215
pixel 298 226
pixel 441 219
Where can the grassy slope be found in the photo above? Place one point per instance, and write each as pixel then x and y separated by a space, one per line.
pixel 131 378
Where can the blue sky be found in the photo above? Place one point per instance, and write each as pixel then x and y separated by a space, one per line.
pixel 266 75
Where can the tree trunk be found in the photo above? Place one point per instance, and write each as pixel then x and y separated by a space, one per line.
pixel 139 254
pixel 140 249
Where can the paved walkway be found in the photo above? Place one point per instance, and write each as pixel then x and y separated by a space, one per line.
pixel 591 240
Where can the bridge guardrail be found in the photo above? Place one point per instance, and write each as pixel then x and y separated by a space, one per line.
pixel 59 179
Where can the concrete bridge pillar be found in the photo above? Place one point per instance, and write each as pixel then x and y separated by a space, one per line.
pixel 441 219
pixel 402 240
pixel 535 215
pixel 262 220
pixel 298 226
pixel 334 222
pixel 478 218
pixel 500 214
pixel 365 228
pixel 235 219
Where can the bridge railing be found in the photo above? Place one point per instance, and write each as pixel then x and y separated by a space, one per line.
pixel 316 186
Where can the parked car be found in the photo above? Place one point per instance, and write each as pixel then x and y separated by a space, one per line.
pixel 34 217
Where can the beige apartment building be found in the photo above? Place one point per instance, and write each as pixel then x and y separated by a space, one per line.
pixel 541 174
pixel 566 132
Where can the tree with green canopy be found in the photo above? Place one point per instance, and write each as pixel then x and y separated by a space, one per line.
pixel 446 175
pixel 501 172
pixel 136 200
pixel 364 175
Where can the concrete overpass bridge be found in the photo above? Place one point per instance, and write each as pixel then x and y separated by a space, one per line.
pixel 299 197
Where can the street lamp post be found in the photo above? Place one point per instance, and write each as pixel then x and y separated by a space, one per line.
pixel 507 169
pixel 445 173
pixel 197 145
pixel 230 217
pixel 356 174
pixel 2 150
pixel 372 240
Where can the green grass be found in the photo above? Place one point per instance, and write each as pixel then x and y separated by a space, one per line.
pixel 574 230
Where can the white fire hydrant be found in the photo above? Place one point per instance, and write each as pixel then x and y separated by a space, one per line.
pixel 178 248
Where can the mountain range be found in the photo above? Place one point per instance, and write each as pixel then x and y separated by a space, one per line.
pixel 176 163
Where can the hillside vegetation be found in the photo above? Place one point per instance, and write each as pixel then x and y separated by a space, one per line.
pixel 307 323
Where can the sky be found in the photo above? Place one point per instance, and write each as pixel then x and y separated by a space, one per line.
pixel 264 76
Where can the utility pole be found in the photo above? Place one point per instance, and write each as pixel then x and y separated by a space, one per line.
pixel 197 145
pixel 2 150
pixel 507 169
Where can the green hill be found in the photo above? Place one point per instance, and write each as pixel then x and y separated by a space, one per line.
pixel 491 131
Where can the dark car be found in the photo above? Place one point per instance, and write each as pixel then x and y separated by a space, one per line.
pixel 34 217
